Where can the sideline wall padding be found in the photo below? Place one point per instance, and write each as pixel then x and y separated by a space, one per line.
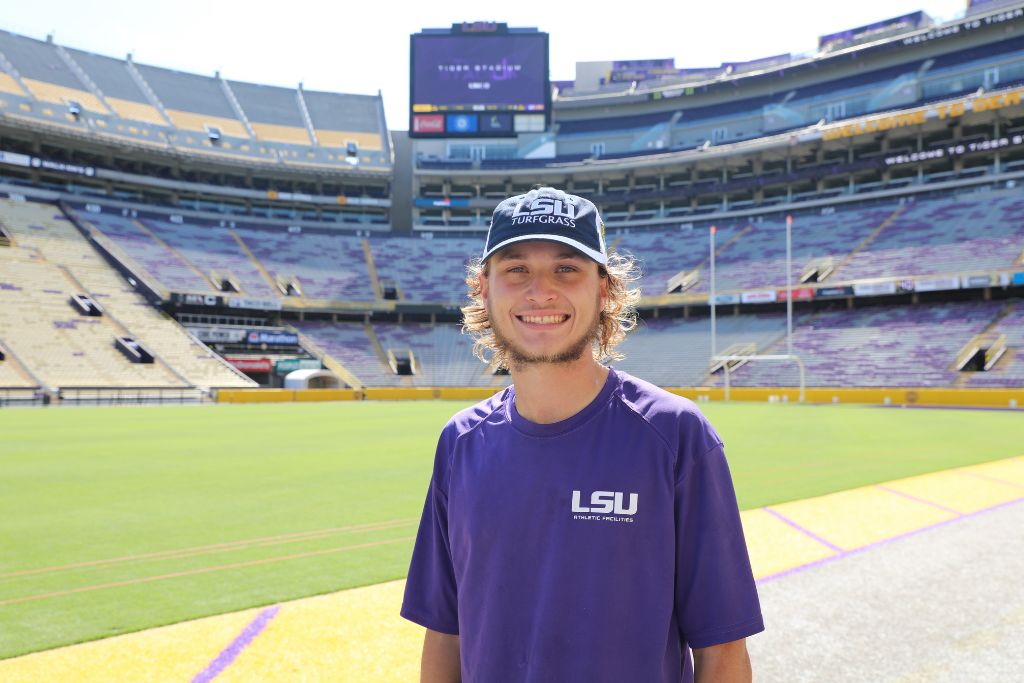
pixel 925 396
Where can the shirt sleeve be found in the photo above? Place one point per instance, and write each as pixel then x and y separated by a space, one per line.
pixel 715 596
pixel 431 597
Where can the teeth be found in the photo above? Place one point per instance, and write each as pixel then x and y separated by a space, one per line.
pixel 544 319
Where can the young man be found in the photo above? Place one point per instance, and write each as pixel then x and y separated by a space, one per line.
pixel 581 525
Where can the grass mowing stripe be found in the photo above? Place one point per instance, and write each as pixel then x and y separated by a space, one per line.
pixel 219 547
pixel 203 570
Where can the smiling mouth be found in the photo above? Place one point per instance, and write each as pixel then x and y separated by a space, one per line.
pixel 543 319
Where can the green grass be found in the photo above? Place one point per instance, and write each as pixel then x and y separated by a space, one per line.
pixel 90 484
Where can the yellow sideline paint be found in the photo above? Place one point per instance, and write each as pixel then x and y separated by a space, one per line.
pixel 858 517
pixel 168 653
pixel 959 490
pixel 1010 471
pixel 354 635
pixel 774 546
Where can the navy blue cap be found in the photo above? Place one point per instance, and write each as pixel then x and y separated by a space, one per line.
pixel 548 214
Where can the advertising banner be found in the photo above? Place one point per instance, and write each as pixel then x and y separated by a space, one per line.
pixel 196 299
pixel 1018 279
pixel 725 299
pixel 830 292
pixel 799 294
pixel 874 288
pixel 251 364
pixel 975 281
pixel 258 304
pixel 936 284
pixel 273 338
pixel 758 296
pixel 283 367
pixel 218 335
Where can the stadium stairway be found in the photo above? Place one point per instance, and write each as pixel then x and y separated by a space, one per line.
pixel 141 226
pixel 992 328
pixel 371 268
pixel 870 238
pixel 260 268
pixel 329 361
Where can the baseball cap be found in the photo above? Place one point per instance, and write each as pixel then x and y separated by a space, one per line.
pixel 548 214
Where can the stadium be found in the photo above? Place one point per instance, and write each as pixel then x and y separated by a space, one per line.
pixel 821 236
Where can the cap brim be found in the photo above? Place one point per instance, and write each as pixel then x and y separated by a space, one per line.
pixel 585 250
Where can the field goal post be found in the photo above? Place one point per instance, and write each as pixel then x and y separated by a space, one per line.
pixel 792 357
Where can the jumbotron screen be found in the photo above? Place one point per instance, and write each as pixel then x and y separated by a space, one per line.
pixel 478 84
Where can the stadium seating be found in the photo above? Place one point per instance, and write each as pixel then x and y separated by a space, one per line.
pixel 328 266
pixel 350 345
pixel 757 258
pixel 677 352
pixel 913 346
pixel 443 354
pixel 62 347
pixel 156 259
pixel 976 232
pixel 213 249
pixel 425 270
pixel 52 240
pixel 204 116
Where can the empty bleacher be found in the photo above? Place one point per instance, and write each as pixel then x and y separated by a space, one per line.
pixel 156 259
pixel 62 347
pixel 901 346
pixel 425 269
pixel 193 102
pixel 43 232
pixel 329 266
pixel 273 112
pixel 976 232
pixel 677 352
pixel 212 249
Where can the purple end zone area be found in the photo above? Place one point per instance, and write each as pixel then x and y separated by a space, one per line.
pixel 231 652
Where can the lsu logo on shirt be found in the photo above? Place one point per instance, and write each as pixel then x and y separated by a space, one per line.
pixel 608 506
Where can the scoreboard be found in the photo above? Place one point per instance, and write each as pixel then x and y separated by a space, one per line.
pixel 478 80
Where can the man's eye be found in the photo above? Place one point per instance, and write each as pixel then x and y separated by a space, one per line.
pixel 566 269
pixel 517 269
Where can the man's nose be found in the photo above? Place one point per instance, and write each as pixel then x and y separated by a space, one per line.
pixel 541 289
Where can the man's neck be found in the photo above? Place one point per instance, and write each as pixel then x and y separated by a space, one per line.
pixel 549 392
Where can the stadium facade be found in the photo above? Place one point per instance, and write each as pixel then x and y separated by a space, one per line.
pixel 166 235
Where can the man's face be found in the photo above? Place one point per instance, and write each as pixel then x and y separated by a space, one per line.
pixel 544 301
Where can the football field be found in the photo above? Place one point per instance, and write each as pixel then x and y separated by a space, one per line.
pixel 118 519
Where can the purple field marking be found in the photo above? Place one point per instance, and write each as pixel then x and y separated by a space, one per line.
pixel 231 652
pixel 803 530
pixel 914 498
pixel 847 553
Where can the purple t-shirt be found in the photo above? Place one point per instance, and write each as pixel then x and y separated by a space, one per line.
pixel 598 548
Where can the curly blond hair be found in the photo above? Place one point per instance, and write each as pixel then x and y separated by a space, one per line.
pixel 616 319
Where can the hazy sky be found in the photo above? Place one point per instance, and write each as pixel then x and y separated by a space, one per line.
pixel 363 47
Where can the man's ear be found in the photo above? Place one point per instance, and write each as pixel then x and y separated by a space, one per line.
pixel 482 279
